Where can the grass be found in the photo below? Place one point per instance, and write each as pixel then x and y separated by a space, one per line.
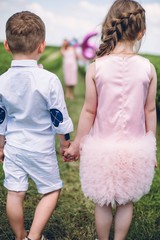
pixel 73 218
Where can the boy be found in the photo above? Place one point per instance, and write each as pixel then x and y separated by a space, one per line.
pixel 32 111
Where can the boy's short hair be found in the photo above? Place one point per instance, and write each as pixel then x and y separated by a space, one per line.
pixel 24 32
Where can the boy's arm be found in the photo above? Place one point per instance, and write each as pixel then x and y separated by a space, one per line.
pixel 61 122
pixel 150 106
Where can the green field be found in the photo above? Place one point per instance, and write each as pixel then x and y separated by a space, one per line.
pixel 73 218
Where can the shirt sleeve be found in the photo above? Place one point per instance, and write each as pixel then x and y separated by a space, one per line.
pixel 60 120
pixel 3 119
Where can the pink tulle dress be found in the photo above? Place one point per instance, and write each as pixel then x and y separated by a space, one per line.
pixel 118 156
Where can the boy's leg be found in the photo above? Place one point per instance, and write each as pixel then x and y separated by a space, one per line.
pixel 123 220
pixel 14 209
pixel 103 217
pixel 42 214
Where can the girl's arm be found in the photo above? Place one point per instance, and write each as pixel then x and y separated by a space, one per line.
pixel 88 113
pixel 150 106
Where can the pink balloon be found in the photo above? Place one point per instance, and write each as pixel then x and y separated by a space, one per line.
pixel 88 49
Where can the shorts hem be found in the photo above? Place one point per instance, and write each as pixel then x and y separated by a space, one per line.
pixel 13 187
pixel 51 189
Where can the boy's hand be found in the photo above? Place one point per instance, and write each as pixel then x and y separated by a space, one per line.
pixel 64 147
pixel 71 154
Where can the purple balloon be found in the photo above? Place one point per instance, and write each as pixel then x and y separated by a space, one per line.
pixel 88 49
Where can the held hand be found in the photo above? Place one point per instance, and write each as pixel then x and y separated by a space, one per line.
pixel 71 154
pixel 64 147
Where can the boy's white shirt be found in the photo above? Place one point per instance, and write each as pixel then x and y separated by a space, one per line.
pixel 27 93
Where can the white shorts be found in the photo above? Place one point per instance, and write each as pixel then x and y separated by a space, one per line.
pixel 21 164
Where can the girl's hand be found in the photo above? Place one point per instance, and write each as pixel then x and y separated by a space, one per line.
pixel 71 154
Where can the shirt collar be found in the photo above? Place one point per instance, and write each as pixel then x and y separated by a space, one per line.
pixel 24 63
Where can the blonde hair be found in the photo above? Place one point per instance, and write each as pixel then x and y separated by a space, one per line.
pixel 24 32
pixel 124 21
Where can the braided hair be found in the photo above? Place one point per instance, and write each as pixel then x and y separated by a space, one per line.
pixel 124 21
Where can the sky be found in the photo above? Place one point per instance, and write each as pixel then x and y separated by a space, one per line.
pixel 77 18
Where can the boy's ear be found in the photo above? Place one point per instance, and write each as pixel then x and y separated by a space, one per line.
pixel 41 47
pixel 6 46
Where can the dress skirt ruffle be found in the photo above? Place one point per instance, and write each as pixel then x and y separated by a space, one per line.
pixel 117 172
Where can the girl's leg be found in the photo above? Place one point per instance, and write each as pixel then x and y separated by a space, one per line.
pixel 14 208
pixel 123 220
pixel 42 214
pixel 103 218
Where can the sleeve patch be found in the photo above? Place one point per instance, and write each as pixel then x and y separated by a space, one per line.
pixel 56 117
pixel 2 115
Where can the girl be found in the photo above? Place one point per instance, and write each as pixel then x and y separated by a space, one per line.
pixel 118 120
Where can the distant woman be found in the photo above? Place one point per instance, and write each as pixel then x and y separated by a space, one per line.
pixel 69 68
